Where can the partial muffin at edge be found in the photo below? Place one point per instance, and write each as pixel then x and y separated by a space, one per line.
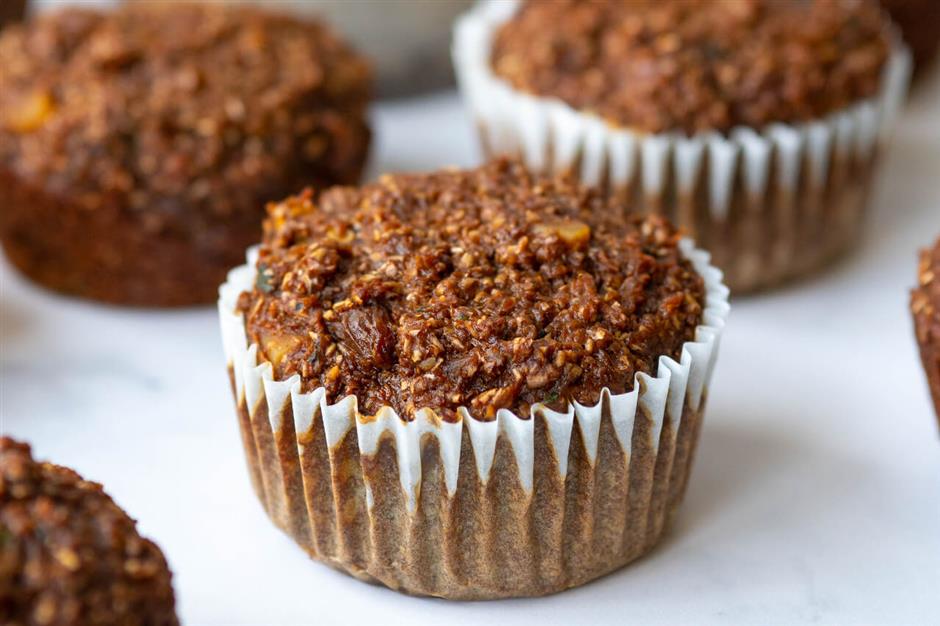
pixel 137 146
pixel 69 555
pixel 925 307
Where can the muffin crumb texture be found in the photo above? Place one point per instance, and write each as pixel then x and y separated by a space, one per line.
pixel 696 65
pixel 69 555
pixel 485 289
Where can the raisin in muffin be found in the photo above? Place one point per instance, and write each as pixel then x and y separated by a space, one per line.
pixel 410 358
pixel 69 555
pixel 925 306
pixel 754 124
pixel 137 146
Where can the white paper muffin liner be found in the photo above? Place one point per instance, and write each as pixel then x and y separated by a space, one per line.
pixel 769 203
pixel 474 509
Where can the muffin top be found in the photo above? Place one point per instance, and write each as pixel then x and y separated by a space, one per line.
pixel 69 555
pixel 925 300
pixel 695 65
pixel 160 106
pixel 489 288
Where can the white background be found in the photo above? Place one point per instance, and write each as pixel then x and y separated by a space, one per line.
pixel 815 497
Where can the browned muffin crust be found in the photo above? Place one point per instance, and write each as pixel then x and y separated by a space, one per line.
pixel 925 306
pixel 919 21
pixel 138 147
pixel 695 65
pixel 488 288
pixel 69 555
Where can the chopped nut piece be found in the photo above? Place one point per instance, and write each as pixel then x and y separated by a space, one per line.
pixel 31 113
pixel 68 559
pixel 276 346
pixel 571 232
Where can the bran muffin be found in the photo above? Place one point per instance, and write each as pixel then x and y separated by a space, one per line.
pixel 436 335
pixel 751 124
pixel 136 146
pixel 925 307
pixel 69 555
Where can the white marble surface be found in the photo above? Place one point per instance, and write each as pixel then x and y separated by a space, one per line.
pixel 815 498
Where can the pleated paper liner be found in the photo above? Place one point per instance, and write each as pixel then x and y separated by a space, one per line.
pixel 770 204
pixel 516 506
